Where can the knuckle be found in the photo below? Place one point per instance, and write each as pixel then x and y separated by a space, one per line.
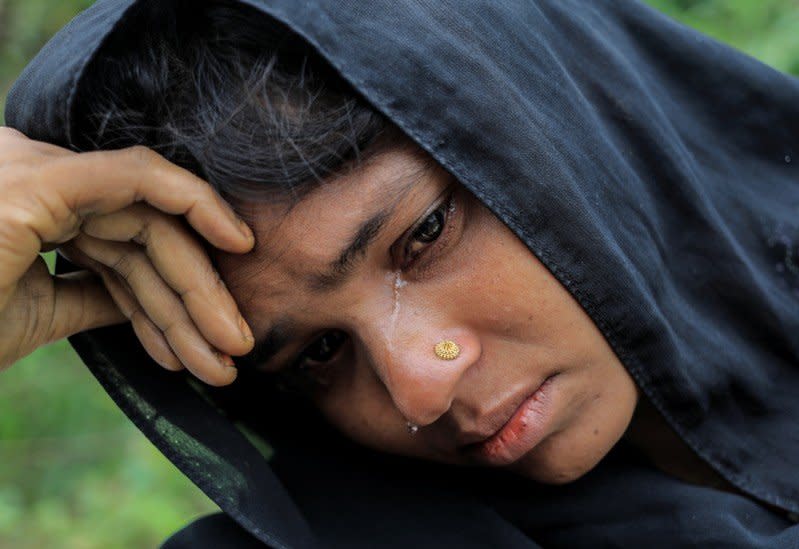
pixel 141 155
pixel 136 315
pixel 143 232
pixel 17 217
pixel 30 199
pixel 16 181
pixel 132 312
pixel 154 223
pixel 7 134
pixel 142 236
pixel 170 328
pixel 127 264
pixel 20 158
pixel 58 221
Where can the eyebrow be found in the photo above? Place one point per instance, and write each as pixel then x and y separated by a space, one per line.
pixel 336 273
pixel 339 270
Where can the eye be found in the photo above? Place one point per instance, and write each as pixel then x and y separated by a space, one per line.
pixel 431 227
pixel 428 230
pixel 313 369
pixel 321 351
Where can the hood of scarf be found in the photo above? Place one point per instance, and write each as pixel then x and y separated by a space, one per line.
pixel 652 170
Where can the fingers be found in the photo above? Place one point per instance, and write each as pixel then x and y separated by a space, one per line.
pixel 47 192
pixel 155 308
pixel 81 303
pixel 105 181
pixel 182 263
pixel 148 333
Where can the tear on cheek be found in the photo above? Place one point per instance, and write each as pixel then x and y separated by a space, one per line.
pixel 397 285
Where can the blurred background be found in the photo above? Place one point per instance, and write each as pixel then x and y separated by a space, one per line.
pixel 74 472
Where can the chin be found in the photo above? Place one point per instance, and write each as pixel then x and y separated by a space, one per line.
pixel 550 463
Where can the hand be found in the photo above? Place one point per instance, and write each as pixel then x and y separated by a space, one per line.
pixel 118 213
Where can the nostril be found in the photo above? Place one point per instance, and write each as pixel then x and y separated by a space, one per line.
pixel 422 406
pixel 419 371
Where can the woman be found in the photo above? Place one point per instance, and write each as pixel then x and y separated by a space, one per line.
pixel 643 358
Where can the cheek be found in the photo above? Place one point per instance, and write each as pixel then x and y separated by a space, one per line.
pixel 514 296
pixel 362 410
pixel 509 292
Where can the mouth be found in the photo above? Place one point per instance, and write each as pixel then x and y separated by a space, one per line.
pixel 524 428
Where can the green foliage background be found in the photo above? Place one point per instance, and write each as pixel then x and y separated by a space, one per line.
pixel 74 472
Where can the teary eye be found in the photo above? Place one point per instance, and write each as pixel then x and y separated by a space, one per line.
pixel 315 366
pixel 323 349
pixel 428 230
pixel 431 227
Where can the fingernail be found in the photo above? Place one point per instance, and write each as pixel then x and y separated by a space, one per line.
pixel 226 360
pixel 245 230
pixel 245 330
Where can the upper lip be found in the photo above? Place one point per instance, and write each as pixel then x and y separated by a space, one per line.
pixel 494 421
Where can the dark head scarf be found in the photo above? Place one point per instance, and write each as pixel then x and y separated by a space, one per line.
pixel 653 171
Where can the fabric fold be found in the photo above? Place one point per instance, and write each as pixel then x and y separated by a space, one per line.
pixel 651 169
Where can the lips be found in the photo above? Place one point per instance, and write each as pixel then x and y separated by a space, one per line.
pixel 525 425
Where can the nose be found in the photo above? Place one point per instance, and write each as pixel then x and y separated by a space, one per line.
pixel 421 384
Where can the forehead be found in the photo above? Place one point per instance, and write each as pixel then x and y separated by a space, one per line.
pixel 291 240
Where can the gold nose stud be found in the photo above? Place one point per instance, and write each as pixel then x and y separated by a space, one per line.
pixel 447 350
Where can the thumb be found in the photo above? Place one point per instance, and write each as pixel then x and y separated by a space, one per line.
pixel 81 303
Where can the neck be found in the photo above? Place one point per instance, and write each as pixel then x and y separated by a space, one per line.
pixel 652 436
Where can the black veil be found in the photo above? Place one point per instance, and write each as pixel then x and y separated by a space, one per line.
pixel 652 170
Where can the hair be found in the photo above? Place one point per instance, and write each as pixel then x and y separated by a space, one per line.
pixel 235 97
pixel 227 93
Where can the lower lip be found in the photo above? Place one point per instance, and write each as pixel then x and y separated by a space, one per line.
pixel 524 430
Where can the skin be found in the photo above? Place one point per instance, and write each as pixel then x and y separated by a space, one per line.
pixel 476 284
pixel 123 215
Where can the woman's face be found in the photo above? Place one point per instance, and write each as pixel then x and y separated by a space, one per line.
pixel 349 291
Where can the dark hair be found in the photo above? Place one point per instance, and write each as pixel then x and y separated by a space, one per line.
pixel 228 93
